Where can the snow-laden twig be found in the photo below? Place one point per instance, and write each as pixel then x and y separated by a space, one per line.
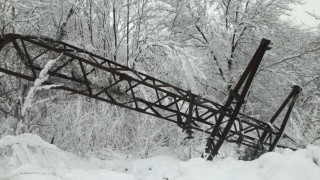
pixel 43 76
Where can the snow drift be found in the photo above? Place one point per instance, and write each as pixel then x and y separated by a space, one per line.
pixel 27 157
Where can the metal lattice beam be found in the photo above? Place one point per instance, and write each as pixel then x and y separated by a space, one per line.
pixel 93 76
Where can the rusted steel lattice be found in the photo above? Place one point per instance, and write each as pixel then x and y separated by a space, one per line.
pixel 96 77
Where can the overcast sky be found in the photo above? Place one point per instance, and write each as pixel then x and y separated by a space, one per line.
pixel 300 15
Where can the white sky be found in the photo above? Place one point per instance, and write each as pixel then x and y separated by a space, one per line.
pixel 301 17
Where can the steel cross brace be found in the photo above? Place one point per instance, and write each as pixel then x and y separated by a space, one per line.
pixel 87 74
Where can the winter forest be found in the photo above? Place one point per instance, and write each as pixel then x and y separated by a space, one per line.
pixel 198 45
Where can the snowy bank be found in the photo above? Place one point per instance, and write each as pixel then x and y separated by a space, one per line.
pixel 29 157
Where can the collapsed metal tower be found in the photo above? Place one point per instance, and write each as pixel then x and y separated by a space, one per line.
pixel 93 76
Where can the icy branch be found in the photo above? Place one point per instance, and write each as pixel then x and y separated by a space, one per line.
pixel 43 76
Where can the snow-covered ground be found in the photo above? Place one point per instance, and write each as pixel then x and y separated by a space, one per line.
pixel 28 157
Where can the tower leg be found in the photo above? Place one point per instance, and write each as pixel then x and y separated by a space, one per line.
pixel 246 79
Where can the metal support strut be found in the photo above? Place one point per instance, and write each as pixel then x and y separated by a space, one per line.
pixel 236 96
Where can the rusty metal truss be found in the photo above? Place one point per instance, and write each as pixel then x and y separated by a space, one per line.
pixel 81 72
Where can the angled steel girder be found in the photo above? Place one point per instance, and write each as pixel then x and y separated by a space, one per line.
pixel 93 76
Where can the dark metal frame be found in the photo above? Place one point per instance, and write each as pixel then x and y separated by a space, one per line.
pixel 93 76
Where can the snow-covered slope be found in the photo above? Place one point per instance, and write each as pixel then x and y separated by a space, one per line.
pixel 28 157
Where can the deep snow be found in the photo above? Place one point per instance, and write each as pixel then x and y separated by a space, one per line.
pixel 28 157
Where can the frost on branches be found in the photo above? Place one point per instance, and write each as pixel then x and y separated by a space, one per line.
pixel 37 85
